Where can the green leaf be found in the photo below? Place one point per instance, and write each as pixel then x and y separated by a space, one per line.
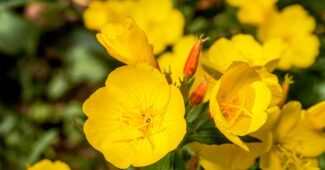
pixel 84 66
pixel 164 163
pixel 172 161
pixel 207 136
pixel 196 111
pixel 12 3
pixel 57 86
pixel 41 111
pixel 212 72
pixel 214 136
pixel 42 144
pixel 321 161
pixel 17 35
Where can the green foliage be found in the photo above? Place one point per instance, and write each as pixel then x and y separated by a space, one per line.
pixel 18 36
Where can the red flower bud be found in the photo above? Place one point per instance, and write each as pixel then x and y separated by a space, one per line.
pixel 193 58
pixel 199 93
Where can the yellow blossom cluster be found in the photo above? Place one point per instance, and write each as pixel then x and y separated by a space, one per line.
pixel 292 25
pixel 162 23
pixel 141 114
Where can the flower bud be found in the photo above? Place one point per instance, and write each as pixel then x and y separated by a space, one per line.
pixel 193 58
pixel 199 92
pixel 285 89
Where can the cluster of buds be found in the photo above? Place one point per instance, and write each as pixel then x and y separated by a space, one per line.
pixel 190 68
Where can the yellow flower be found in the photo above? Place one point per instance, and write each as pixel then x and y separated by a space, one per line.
pixel 294 27
pixel 101 12
pixel 244 48
pixel 126 42
pixel 254 12
pixel 46 164
pixel 160 21
pixel 238 102
pixel 298 137
pixel 137 118
pixel 232 157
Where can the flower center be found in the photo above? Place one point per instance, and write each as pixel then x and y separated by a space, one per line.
pixel 291 159
pixel 146 121
pixel 229 108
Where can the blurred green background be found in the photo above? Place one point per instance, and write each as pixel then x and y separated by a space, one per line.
pixel 50 63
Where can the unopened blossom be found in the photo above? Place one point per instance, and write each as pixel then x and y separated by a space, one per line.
pixel 199 92
pixel 126 42
pixel 192 60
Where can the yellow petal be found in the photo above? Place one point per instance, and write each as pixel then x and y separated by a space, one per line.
pixel 311 141
pixel 223 157
pixel 126 42
pixel 316 115
pixel 95 16
pixel 300 57
pixel 271 81
pixel 270 161
pixel 238 75
pixel 48 165
pixel 288 119
pixel 262 101
pixel 221 54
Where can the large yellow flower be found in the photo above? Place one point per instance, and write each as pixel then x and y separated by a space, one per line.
pixel 160 21
pixel 299 138
pixel 137 118
pixel 46 164
pixel 126 42
pixel 254 12
pixel 238 102
pixel 294 27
